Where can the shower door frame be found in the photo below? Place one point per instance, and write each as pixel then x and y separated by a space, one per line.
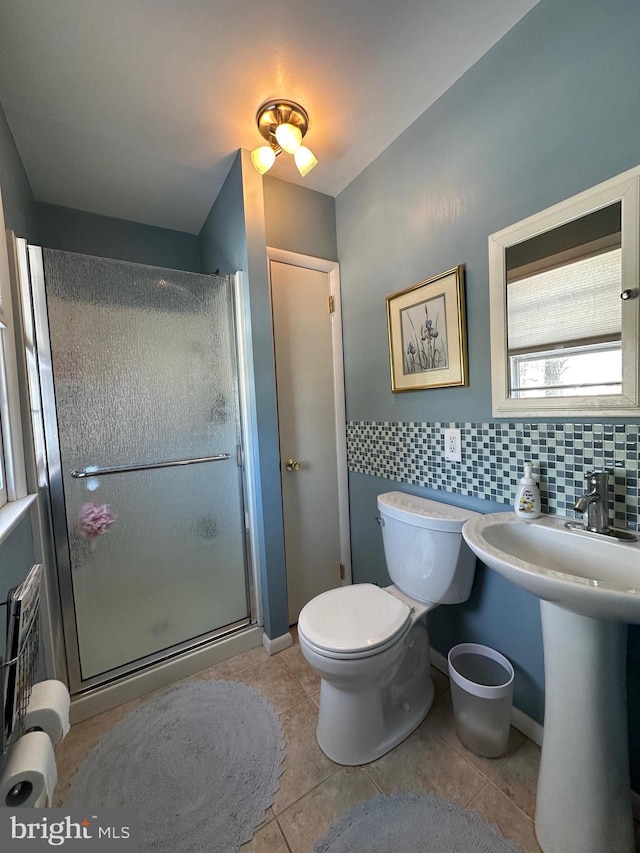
pixel 40 371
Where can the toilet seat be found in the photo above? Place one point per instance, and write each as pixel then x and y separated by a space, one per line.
pixel 354 621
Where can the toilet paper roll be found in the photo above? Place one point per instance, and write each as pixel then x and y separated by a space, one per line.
pixel 48 709
pixel 30 773
pixel 42 801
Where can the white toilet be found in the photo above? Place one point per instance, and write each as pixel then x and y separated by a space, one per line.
pixel 370 645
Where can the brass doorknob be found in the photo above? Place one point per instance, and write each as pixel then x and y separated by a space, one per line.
pixel 293 465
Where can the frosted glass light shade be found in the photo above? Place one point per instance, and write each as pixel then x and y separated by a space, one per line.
pixel 263 158
pixel 305 160
pixel 289 137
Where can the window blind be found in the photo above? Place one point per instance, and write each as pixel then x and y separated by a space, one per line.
pixel 567 305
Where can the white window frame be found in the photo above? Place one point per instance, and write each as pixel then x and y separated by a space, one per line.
pixel 14 499
pixel 4 491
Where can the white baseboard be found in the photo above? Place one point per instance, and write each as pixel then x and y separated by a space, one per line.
pixel 527 725
pixel 519 720
pixel 277 644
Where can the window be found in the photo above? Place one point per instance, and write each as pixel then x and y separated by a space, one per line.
pixel 13 486
pixel 588 370
pixel 4 399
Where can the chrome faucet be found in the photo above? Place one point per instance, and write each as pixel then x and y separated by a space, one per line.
pixel 595 502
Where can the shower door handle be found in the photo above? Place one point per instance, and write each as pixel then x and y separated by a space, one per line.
pixel 121 469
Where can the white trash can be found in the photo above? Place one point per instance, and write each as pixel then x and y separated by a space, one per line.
pixel 482 694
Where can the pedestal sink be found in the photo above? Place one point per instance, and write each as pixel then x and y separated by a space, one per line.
pixel 589 589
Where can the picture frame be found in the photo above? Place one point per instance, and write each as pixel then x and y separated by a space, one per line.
pixel 427 333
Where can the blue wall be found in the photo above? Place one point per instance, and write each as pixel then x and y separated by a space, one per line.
pixel 250 214
pixel 90 234
pixel 298 219
pixel 552 109
pixel 233 238
pixel 17 198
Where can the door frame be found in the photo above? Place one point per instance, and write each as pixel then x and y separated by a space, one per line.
pixel 332 268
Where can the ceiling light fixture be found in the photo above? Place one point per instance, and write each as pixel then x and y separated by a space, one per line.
pixel 283 124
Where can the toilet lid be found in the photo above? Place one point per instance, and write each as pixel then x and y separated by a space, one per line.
pixel 354 618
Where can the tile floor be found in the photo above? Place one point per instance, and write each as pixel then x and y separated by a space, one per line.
pixel 314 792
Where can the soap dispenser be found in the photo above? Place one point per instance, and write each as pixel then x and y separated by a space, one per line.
pixel 527 503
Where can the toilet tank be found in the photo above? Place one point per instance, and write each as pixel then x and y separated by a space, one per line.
pixel 426 556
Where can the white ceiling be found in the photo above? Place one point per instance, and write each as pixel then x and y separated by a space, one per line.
pixel 135 108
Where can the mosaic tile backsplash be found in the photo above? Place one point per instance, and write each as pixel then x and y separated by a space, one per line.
pixel 492 457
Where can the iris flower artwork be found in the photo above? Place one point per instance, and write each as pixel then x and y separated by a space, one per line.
pixel 424 336
pixel 427 336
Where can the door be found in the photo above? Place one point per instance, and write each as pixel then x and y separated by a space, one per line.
pixel 311 445
pixel 147 499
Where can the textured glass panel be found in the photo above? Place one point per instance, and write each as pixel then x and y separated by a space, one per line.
pixel 170 568
pixel 144 372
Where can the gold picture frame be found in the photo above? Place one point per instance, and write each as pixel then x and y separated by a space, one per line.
pixel 427 333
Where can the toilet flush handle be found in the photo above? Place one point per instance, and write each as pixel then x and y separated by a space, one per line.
pixel 380 520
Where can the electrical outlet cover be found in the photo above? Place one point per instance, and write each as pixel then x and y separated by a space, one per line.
pixel 452 445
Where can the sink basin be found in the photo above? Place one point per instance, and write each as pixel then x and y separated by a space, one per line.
pixel 589 574
pixel 589 588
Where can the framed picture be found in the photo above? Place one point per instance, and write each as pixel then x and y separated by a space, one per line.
pixel 427 340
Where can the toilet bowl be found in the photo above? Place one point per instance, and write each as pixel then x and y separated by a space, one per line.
pixel 370 645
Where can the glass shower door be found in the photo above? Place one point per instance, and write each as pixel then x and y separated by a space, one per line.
pixel 148 430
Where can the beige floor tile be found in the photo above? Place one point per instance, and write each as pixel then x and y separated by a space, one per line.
pixel 269 815
pixel 298 665
pixel 305 765
pixel 274 680
pixel 442 722
pixel 307 821
pixel 268 839
pixel 232 666
pixel 315 791
pixel 498 809
pixel 518 777
pixel 425 762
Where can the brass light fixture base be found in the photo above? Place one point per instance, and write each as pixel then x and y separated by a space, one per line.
pixel 273 113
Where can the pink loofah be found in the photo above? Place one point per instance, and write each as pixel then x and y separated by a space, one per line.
pixel 94 520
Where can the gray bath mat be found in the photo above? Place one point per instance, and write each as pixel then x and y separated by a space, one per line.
pixel 413 821
pixel 201 762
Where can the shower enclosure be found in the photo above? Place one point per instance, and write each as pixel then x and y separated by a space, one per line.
pixel 141 424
